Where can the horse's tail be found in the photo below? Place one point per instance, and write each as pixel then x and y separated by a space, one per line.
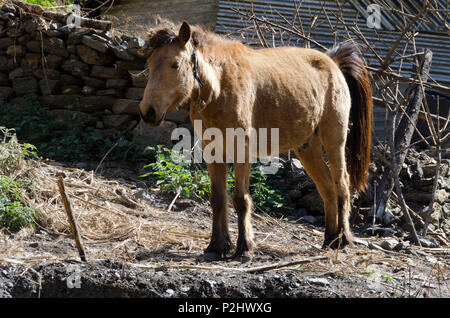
pixel 352 66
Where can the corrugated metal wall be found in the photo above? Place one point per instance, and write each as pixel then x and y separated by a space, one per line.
pixel 354 13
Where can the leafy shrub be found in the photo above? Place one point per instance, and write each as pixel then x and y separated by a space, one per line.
pixel 13 213
pixel 171 176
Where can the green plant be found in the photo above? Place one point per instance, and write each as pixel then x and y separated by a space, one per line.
pixel 12 152
pixel 13 213
pixel 173 175
pixel 65 141
pixel 45 3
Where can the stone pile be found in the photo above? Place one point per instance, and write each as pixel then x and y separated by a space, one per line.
pixel 417 177
pixel 89 75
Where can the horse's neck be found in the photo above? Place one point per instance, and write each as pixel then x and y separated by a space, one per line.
pixel 210 75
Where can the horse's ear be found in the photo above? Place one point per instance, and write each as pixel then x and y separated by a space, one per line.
pixel 185 32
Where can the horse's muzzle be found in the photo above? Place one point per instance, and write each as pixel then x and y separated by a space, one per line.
pixel 149 117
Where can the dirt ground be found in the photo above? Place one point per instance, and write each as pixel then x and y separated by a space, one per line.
pixel 137 248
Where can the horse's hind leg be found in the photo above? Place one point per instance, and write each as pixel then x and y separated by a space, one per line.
pixel 243 205
pixel 220 243
pixel 334 144
pixel 311 157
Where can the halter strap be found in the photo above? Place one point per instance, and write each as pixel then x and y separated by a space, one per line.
pixel 200 101
pixel 195 69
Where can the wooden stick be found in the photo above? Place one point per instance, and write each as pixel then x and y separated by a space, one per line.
pixel 250 270
pixel 73 225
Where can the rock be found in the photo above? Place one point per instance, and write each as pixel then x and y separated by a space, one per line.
pixel 7 64
pixel 72 63
pixel 53 61
pixel 121 52
pixel 389 244
pixel 169 293
pixel 106 72
pixel 95 43
pixel 24 39
pixel 6 42
pixel 311 201
pixel 126 106
pixel 441 196
pixel 5 92
pixel 294 194
pixel 179 116
pixel 47 74
pixel 94 82
pixel 76 36
pixel 152 136
pixel 110 92
pixel 4 79
pixel 117 83
pixel 425 241
pixel 318 281
pixel 15 50
pixel 92 57
pixel 117 121
pixel 25 85
pixel 78 72
pixel 67 80
pixel 34 46
pixel 135 93
pixel 89 104
pixel 444 183
pixel 31 60
pixel 67 116
pixel 55 46
pixel 88 90
pixel 401 246
pixel 309 219
pixel 49 87
pixel 20 72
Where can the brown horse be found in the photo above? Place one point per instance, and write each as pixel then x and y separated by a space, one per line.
pixel 315 100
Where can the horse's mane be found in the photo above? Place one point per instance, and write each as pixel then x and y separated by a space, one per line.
pixel 166 32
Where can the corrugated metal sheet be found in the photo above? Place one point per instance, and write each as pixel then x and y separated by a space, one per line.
pixel 354 14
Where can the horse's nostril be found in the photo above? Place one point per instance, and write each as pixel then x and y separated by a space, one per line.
pixel 148 115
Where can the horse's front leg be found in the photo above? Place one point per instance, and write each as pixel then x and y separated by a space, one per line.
pixel 242 202
pixel 220 243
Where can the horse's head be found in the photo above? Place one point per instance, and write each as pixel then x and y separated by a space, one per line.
pixel 171 65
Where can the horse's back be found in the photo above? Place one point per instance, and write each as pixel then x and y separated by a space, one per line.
pixel 291 90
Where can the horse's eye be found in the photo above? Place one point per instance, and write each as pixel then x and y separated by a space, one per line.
pixel 175 65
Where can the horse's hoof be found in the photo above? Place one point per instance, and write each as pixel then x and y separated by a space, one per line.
pixel 243 257
pixel 211 256
pixel 336 243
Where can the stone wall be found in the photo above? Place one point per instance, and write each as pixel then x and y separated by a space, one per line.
pixel 81 74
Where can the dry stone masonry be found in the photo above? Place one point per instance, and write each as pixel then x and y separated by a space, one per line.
pixel 95 76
